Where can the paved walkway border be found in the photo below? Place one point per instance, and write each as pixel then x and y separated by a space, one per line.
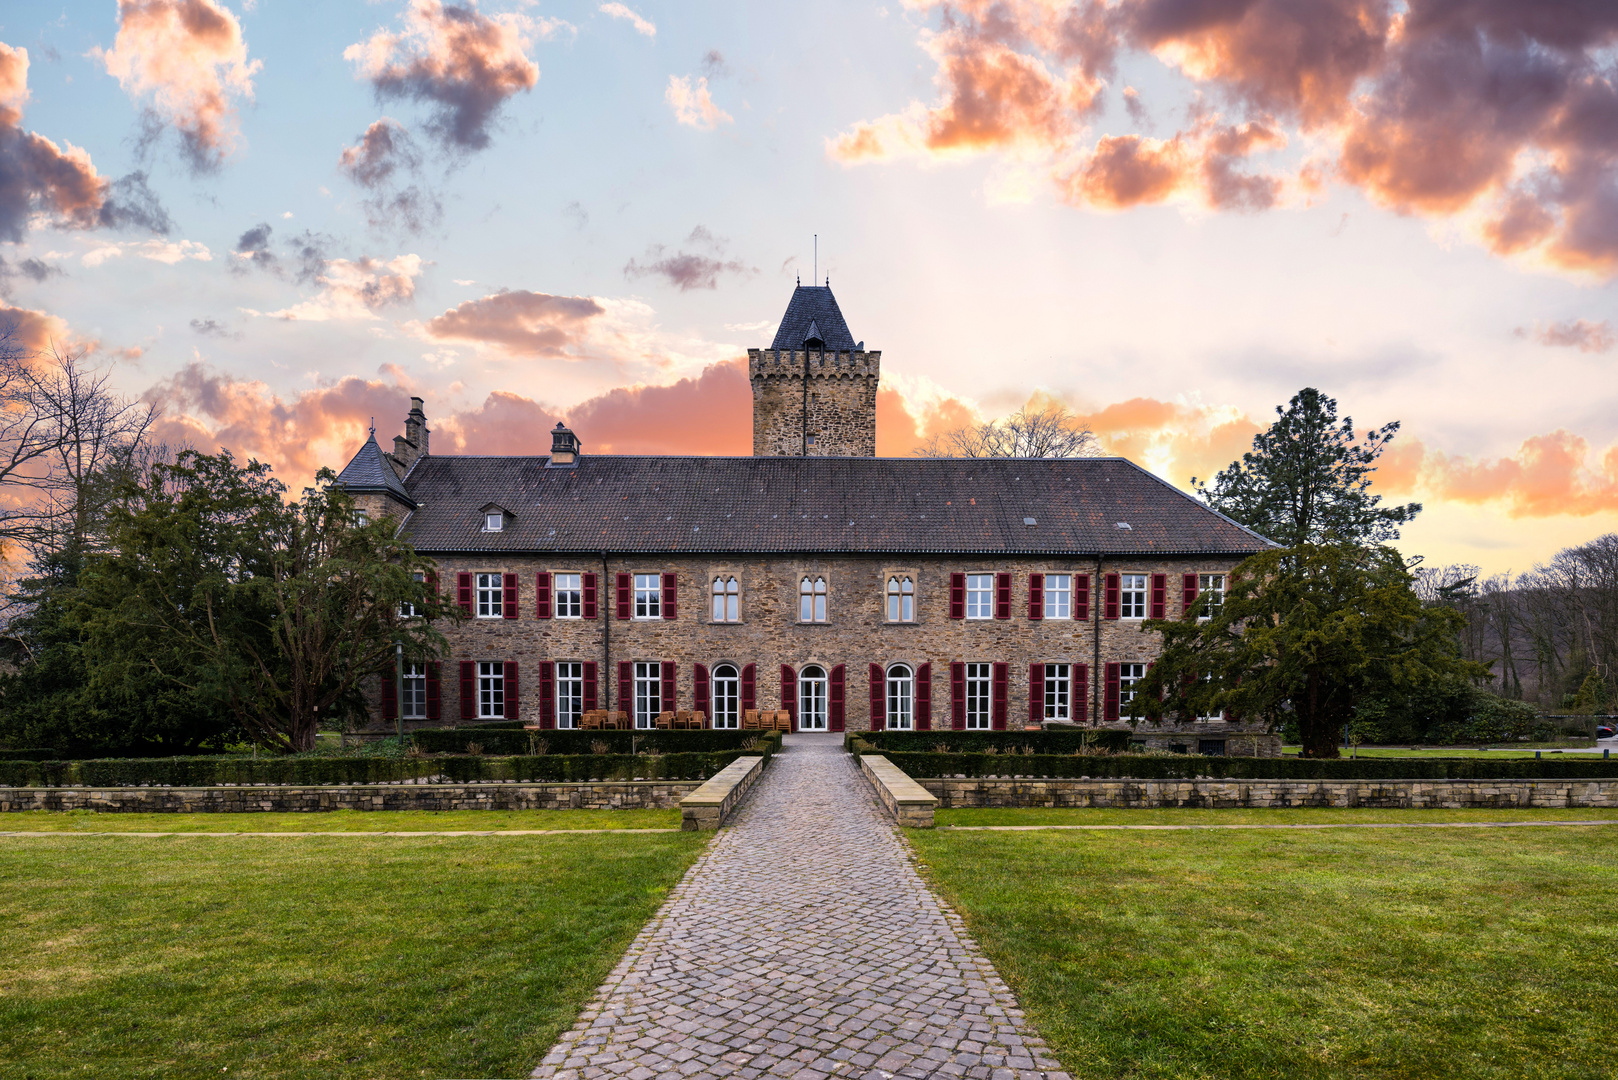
pixel 1321 825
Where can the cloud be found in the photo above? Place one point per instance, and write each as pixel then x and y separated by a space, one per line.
pixel 38 331
pixel 713 64
pixel 454 58
pixel 212 328
pixel 387 151
pixel 619 11
pixel 189 59
pixel 518 323
pixel 163 251
pixel 689 270
pixel 309 254
pixel 1549 476
pixel 35 270
pixel 692 104
pixel 357 289
pixel 1581 334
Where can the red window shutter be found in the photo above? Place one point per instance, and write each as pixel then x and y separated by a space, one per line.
pixel 1111 611
pixel 463 592
pixel 700 698
pixel 1188 592
pixel 1036 596
pixel 432 586
pixel 590 611
pixel 623 596
pixel 1036 693
pixel 879 700
pixel 513 690
pixel 835 699
pixel 957 695
pixel 590 684
pixel 1002 679
pixel 1081 597
pixel 435 694
pixel 957 596
pixel 924 697
pixel 626 687
pixel 390 697
pixel 508 606
pixel 547 694
pixel 1079 692
pixel 749 686
pixel 1110 701
pixel 1160 596
pixel 789 693
pixel 542 595
pixel 671 693
pixel 1002 595
pixel 469 691
pixel 671 590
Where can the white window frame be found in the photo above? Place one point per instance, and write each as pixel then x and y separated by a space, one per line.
pixel 648 692
pixel 979 697
pixel 1058 692
pixel 727 599
pixel 1058 596
pixel 567 593
pixel 901 598
pixel 413 705
pixel 494 521
pixel 725 696
pixel 648 596
pixel 901 694
pixel 1130 674
pixel 569 693
pixel 812 593
pixel 1211 718
pixel 1210 587
pixel 1134 595
pixel 489 601
pixel 407 610
pixel 491 690
pixel 813 699
pixel 979 596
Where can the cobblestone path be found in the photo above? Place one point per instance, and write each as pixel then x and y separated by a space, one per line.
pixel 803 944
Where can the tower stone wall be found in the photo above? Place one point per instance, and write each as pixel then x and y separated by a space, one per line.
pixel 841 402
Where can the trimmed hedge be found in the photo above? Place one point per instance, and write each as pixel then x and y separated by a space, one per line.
pixel 36 754
pixel 505 740
pixel 972 742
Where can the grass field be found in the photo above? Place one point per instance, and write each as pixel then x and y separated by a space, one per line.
pixel 339 821
pixel 1337 954
pixel 1302 816
pixel 315 957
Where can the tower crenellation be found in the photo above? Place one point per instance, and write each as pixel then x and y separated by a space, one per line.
pixel 814 389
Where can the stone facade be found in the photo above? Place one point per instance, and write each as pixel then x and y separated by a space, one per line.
pixel 839 394
pixel 1273 794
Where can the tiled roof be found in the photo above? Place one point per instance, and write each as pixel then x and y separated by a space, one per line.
pixel 370 472
pixel 626 504
pixel 813 307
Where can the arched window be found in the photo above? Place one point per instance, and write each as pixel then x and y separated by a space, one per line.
pixel 901 598
pixel 727 697
pixel 812 698
pixel 812 599
pixel 726 600
pixel 901 698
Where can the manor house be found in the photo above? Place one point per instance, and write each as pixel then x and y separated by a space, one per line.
pixel 854 591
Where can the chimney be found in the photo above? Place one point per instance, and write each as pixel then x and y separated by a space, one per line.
pixel 410 446
pixel 564 448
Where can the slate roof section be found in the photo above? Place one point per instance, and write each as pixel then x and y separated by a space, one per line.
pixel 761 505
pixel 369 473
pixel 813 306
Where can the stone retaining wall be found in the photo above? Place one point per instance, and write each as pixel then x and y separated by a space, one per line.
pixel 709 805
pixel 906 801
pixel 1401 794
pixel 618 795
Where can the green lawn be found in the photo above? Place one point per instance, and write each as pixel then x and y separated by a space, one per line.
pixel 1236 816
pixel 1338 954
pixel 316 957
pixel 339 821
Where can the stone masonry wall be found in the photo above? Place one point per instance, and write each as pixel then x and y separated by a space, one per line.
pixel 842 402
pixel 1391 794
pixel 618 795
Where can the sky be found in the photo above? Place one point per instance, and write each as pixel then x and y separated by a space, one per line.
pixel 276 221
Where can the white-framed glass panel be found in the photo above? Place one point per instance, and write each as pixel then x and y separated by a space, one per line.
pixel 1210 594
pixel 648 596
pixel 901 598
pixel 1128 676
pixel 1132 596
pixel 726 694
pixel 494 521
pixel 648 693
pixel 491 593
pixel 407 610
pixel 491 690
pixel 727 600
pixel 812 698
pixel 361 518
pixel 569 693
pixel 980 596
pixel 1213 717
pixel 568 589
pixel 812 599
pixel 1058 691
pixel 979 691
pixel 414 705
pixel 901 698
pixel 1058 596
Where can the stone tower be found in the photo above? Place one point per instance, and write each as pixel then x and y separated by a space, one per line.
pixel 814 388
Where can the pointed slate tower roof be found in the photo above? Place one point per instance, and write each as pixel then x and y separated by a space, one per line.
pixel 813 314
pixel 369 473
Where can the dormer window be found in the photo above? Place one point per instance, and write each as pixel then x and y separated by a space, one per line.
pixel 494 521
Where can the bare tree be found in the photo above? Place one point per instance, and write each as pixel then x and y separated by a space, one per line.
pixel 1049 431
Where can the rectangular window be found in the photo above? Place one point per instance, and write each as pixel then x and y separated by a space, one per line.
pixel 1132 596
pixel 414 706
pixel 569 693
pixel 727 599
pixel 1210 594
pixel 1058 596
pixel 648 596
pixel 1058 692
pixel 980 596
pixel 1128 676
pixel 490 596
pixel 494 521
pixel 491 687
pixel 812 599
pixel 1215 717
pixel 407 610
pixel 569 591
pixel 648 691
pixel 979 687
pixel 901 598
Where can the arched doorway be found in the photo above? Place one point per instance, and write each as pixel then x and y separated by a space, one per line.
pixel 727 696
pixel 812 698
pixel 901 712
